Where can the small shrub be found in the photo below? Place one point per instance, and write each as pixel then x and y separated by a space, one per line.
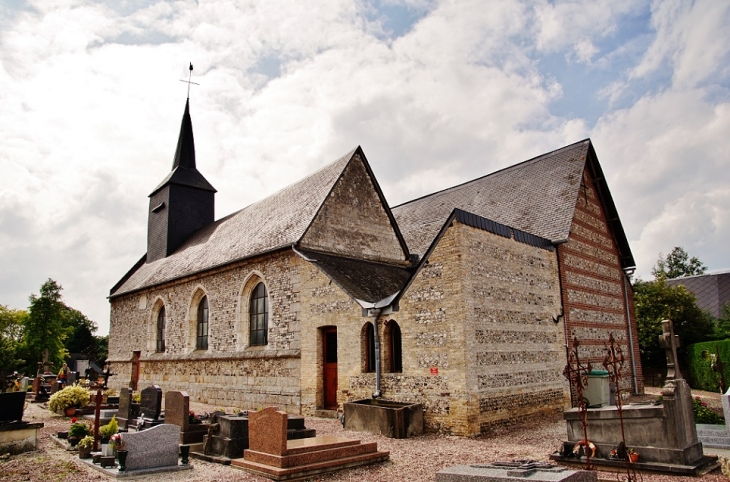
pixel 79 429
pixel 703 414
pixel 106 431
pixel 73 396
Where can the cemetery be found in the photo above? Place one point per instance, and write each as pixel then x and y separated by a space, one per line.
pixel 155 431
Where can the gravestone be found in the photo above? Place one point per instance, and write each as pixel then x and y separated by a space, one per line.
pixel 154 447
pixel 270 455
pixel 12 404
pixel 177 412
pixel 71 378
pixel 24 384
pixel 150 407
pixel 510 471
pixel 16 436
pixel 662 435
pixel 124 412
pixel 267 431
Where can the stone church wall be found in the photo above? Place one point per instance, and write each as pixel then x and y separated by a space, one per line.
pixel 353 222
pixel 593 286
pixel 431 319
pixel 480 348
pixel 516 346
pixel 229 373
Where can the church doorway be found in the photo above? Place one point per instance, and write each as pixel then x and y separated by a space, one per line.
pixel 135 370
pixel 329 367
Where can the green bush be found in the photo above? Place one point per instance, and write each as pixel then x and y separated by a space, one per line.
pixel 699 356
pixel 704 415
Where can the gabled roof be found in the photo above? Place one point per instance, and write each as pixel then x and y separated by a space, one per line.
pixel 712 290
pixel 364 281
pixel 272 223
pixel 537 196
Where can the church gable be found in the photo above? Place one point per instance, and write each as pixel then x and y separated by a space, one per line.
pixel 354 221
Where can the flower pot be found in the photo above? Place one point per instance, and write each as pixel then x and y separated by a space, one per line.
pixel 122 456
pixel 73 440
pixel 633 458
pixel 106 450
pixel 63 434
pixel 84 452
pixel 185 453
pixel 70 411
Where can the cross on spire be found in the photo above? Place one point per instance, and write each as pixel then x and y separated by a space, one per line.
pixel 189 77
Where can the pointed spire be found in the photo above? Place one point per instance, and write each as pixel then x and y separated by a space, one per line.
pixel 185 153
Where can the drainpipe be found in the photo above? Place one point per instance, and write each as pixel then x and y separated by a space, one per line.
pixel 631 337
pixel 376 336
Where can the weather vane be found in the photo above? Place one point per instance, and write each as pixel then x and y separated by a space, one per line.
pixel 189 77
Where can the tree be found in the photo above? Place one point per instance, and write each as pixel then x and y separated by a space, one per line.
pixel 677 264
pixel 46 327
pixel 11 332
pixel 81 339
pixel 656 301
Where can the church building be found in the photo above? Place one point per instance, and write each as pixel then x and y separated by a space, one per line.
pixel 463 300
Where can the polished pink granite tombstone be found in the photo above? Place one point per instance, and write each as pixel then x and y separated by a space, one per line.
pixel 270 455
pixel 267 431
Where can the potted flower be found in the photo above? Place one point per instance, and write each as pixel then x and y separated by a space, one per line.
pixel 633 455
pixel 69 399
pixel 85 445
pixel 117 443
pixel 106 432
pixel 77 431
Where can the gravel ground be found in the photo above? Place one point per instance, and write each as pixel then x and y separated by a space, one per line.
pixel 414 459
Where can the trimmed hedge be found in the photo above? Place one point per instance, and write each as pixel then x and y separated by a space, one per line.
pixel 701 376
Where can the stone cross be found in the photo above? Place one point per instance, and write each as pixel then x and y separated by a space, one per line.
pixel 97 412
pixel 670 342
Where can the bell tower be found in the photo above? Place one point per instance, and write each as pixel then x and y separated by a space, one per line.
pixel 183 202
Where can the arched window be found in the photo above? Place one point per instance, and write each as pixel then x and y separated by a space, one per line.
pixel 202 331
pixel 394 347
pixel 368 347
pixel 259 316
pixel 161 322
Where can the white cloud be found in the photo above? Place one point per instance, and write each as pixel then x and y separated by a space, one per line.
pixel 693 38
pixel 92 103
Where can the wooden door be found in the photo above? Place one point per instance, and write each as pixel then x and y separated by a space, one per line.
pixel 135 370
pixel 329 355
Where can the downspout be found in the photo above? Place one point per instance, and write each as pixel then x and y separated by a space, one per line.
pixel 376 313
pixel 631 336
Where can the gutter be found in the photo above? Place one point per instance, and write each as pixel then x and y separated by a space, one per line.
pixel 627 272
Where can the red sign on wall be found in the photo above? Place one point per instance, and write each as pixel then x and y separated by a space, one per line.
pixel 434 370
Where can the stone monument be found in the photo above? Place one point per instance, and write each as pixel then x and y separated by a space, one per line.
pixel 662 435
pixel 270 454
pixel 177 412
pixel 16 436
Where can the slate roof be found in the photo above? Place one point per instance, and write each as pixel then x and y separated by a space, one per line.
pixel 363 280
pixel 183 165
pixel 712 290
pixel 270 224
pixel 537 196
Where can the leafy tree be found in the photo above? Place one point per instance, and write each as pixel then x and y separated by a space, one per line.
pixel 677 264
pixel 81 339
pixel 46 328
pixel 656 301
pixel 723 323
pixel 11 331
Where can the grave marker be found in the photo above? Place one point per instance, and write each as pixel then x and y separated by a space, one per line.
pixel 151 404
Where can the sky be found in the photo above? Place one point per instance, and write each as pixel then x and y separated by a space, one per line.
pixel 435 92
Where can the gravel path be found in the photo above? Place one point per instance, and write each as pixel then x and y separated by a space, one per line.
pixel 414 459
